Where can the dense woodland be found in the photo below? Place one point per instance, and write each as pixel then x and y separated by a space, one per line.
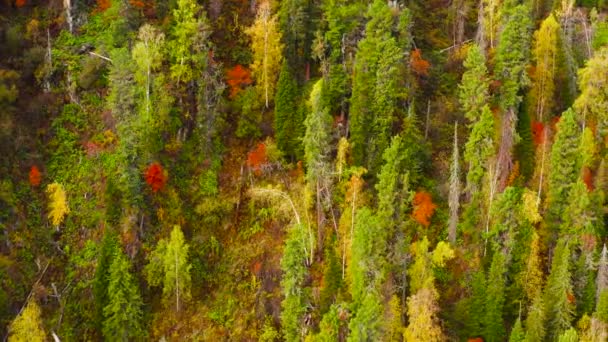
pixel 304 170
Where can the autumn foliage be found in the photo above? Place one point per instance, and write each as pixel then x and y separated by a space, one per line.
pixel 588 178
pixel 538 132
pixel 424 208
pixel 155 177
pixel 35 176
pixel 237 78
pixel 103 5
pixel 419 65
pixel 257 157
pixel 20 3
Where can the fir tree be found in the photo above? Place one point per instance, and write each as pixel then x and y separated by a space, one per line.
pixel 294 272
pixel 375 88
pixel 517 333
pixel 474 86
pixel 495 298
pixel 535 322
pixel 569 335
pixel 286 123
pixel 109 247
pixel 479 150
pixel 123 313
pixel 559 308
pixel 294 21
pixel 477 309
pixel 564 166
pixel 366 325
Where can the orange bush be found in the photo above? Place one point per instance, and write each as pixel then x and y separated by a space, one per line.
pixel 236 78
pixel 35 176
pixel 424 208
pixel 419 65
pixel 538 132
pixel 20 3
pixel 103 5
pixel 257 157
pixel 155 177
pixel 588 178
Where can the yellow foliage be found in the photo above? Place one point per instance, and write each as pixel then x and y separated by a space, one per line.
pixel 58 205
pixel 27 327
pixel 442 253
pixel 530 206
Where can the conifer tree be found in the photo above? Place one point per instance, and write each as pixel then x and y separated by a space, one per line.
pixel 181 45
pixel 267 51
pixel 109 247
pixel 294 272
pixel 479 150
pixel 559 308
pixel 294 20
pixel 569 335
pixel 578 217
pixel 27 327
pixel 367 256
pixel 474 86
pixel 123 313
pixel 535 322
pixel 592 103
pixel 375 88
pixel 170 267
pixel 532 276
pixel 495 298
pixel 564 167
pixel 517 333
pixel 366 325
pixel 286 125
pixel 476 307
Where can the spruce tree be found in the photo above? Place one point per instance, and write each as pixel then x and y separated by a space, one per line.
pixel 285 113
pixel 535 322
pixel 477 308
pixel 123 313
pixel 109 248
pixel 564 167
pixel 494 329
pixel 294 272
pixel 517 333
pixel 474 86
pixel 558 295
pixel 375 88
pixel 479 150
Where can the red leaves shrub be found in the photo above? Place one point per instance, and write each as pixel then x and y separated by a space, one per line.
pixel 257 157
pixel 155 177
pixel 538 133
pixel 103 5
pixel 419 65
pixel 20 3
pixel 35 176
pixel 424 208
pixel 236 78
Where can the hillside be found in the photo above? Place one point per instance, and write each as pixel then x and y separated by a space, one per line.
pixel 304 170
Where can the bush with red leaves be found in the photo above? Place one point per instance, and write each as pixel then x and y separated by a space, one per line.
pixel 237 78
pixel 538 132
pixel 256 158
pixel 155 177
pixel 424 208
pixel 35 176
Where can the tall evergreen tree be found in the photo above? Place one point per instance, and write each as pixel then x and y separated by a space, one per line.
pixel 564 167
pixel 558 295
pixel 109 247
pixel 593 83
pixel 375 88
pixel 535 322
pixel 123 313
pixel 294 21
pixel 294 273
pixel 479 150
pixel 494 329
pixel 474 86
pixel 517 333
pixel 286 118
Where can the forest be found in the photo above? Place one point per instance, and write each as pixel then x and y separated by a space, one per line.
pixel 304 170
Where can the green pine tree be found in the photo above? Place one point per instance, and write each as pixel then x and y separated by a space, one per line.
pixel 564 168
pixel 558 295
pixel 109 247
pixel 474 86
pixel 286 123
pixel 123 313
pixel 535 322
pixel 494 329
pixel 517 333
